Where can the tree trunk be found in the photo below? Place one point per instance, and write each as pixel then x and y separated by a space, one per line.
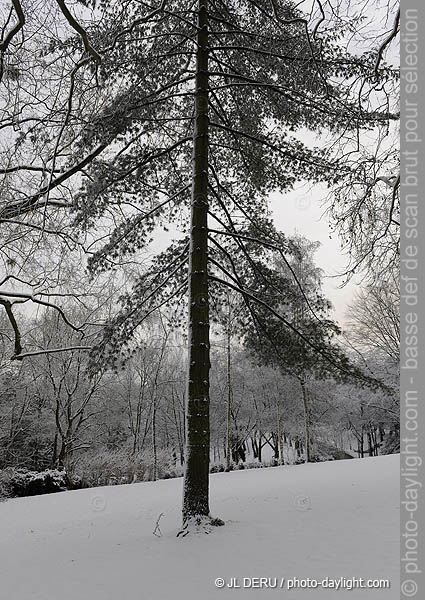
pixel 275 438
pixel 62 455
pixel 307 422
pixel 282 458
pixel 254 446
pixel 360 445
pixel 196 477
pixel 229 396
pixel 179 433
pixel 279 435
pixel 154 445
pixel 55 450
pixel 369 442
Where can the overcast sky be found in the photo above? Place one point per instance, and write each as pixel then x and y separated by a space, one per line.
pixel 302 211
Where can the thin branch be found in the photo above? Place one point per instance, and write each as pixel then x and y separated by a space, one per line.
pixel 12 33
pixel 8 308
pixel 278 249
pixel 50 351
pixel 8 170
pixel 79 29
pixel 26 297
pixel 387 41
pixel 23 206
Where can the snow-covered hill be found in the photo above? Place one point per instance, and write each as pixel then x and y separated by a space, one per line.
pixel 335 519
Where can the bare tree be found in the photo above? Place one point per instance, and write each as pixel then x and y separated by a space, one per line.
pixel 374 319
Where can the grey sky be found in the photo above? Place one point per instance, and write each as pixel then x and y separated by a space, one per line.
pixel 302 211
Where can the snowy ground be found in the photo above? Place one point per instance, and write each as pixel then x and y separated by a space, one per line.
pixel 335 519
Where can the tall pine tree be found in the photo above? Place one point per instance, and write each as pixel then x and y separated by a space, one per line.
pixel 190 113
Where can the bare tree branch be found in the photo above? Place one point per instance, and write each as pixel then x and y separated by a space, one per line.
pixel 12 33
pixel 79 29
pixel 8 308
pixel 50 351
pixel 387 41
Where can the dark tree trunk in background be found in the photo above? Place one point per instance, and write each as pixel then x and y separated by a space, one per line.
pixel 360 445
pixel 279 455
pixel 229 392
pixel 282 458
pixel 254 447
pixel 154 444
pixel 260 449
pixel 307 422
pixel 55 450
pixel 274 444
pixel 299 447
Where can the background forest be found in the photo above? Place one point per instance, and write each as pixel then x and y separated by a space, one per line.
pixel 127 424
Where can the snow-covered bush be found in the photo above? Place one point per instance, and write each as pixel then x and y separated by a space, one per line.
pixel 391 443
pixel 5 487
pixel 21 482
pixel 254 464
pixel 115 467
pixel 220 467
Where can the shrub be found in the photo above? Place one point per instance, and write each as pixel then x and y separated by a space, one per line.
pixel 21 482
pixel 115 467
pixel 5 487
pixel 221 467
pixel 391 444
pixel 253 465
